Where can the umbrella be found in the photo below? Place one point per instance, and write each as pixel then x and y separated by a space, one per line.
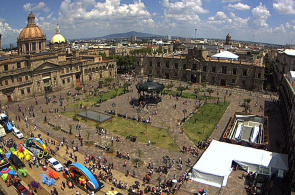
pixel 112 192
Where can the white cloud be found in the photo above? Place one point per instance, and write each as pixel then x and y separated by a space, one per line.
pixel 284 6
pixel 35 7
pixel 182 13
pixel 239 6
pixel 230 1
pixel 260 16
pixel 8 33
pixel 90 18
pixel 219 18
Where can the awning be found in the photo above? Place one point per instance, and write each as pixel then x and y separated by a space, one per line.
pixel 44 78
pixel 46 84
pixel 226 55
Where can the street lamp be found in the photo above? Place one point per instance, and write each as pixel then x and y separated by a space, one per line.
pixel 184 112
pixel 114 106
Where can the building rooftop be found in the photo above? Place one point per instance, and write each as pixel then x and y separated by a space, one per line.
pixel 247 129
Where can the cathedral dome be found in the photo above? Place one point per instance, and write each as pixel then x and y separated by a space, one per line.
pixel 32 31
pixel 58 38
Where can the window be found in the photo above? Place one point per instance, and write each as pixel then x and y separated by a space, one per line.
pixel 151 63
pixel 244 72
pixel 234 71
pixel 176 65
pixel 213 79
pixel 27 78
pixel 224 69
pixel 184 76
pixel 244 83
pixel 233 81
pixel 20 79
pixel 259 75
pixel 5 67
pixel 214 69
pixel 69 80
pixel 204 68
pixel 6 82
pixel 204 77
pixel 184 66
pixel 40 45
pixel 175 74
pixel 158 72
pixel 63 81
pixel 167 64
pixel 34 46
pixel 158 64
pixel 22 92
pixel 27 47
pixel 18 65
pixel 28 90
pixel 194 66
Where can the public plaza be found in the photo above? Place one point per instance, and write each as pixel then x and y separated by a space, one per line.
pixel 167 115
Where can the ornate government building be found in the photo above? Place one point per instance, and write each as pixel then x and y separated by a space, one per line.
pixel 38 69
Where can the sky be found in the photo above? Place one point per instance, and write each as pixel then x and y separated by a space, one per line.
pixel 268 21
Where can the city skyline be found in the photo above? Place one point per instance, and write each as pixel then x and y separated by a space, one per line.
pixel 248 20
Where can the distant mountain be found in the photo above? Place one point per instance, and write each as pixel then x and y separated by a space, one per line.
pixel 129 34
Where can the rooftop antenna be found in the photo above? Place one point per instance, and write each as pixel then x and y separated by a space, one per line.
pixel 196 33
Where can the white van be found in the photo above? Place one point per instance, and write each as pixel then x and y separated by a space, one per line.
pixel 2 131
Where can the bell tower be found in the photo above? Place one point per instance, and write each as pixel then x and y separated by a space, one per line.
pixel 0 42
pixel 228 39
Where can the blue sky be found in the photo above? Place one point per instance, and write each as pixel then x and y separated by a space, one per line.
pixel 270 21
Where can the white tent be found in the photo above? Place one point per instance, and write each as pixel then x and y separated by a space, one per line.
pixel 226 54
pixel 214 167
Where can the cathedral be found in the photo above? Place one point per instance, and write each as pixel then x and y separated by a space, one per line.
pixel 38 69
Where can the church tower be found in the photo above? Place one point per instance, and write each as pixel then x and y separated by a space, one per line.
pixel 0 42
pixel 228 39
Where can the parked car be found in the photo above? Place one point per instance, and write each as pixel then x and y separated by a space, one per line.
pixel 55 164
pixel 2 131
pixel 17 133
pixel 21 189
pixel 16 161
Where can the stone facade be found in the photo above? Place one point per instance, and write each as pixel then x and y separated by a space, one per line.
pixel 198 68
pixel 23 77
pixel 287 106
pixel 36 72
pixel 283 62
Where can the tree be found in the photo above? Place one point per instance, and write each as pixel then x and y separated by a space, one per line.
pixel 78 89
pixel 247 102
pixel 210 91
pixel 126 86
pixel 108 81
pixel 181 88
pixel 169 86
pixel 116 90
pixel 88 134
pixel 100 83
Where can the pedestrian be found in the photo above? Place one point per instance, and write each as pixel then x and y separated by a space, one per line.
pixel 149 143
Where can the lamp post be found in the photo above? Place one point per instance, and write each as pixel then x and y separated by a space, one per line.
pixel 196 33
pixel 114 106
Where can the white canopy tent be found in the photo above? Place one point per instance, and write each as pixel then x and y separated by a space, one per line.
pixel 226 55
pixel 214 167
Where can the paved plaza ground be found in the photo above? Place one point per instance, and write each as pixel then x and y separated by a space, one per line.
pixel 167 117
